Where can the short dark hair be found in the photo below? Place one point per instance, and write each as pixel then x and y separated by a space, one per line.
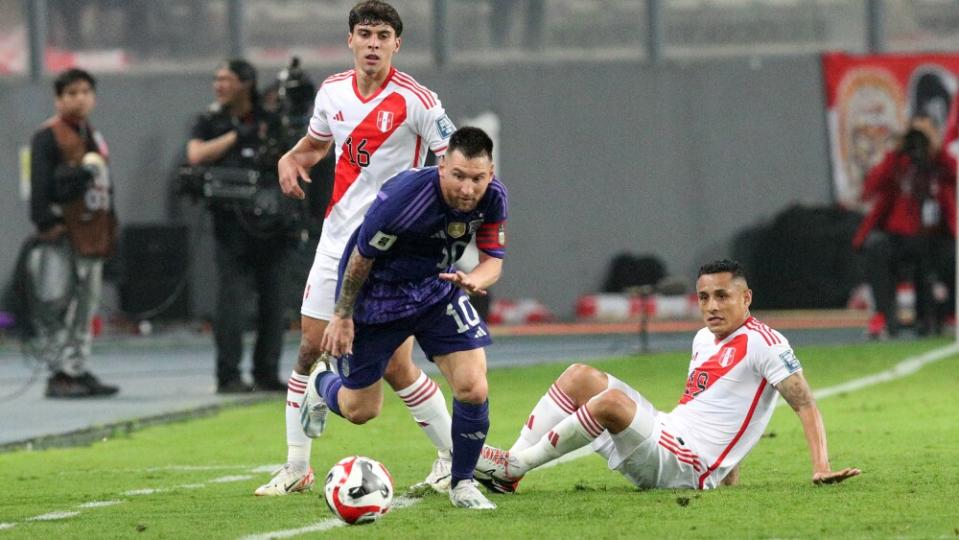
pixel 723 265
pixel 71 76
pixel 471 142
pixel 376 12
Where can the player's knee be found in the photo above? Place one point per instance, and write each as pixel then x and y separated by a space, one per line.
pixel 581 382
pixel 474 392
pixel 361 415
pixel 613 409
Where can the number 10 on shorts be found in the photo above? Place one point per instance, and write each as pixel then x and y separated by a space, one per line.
pixel 463 313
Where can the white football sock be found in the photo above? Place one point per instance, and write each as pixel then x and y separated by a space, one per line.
pixel 297 443
pixel 426 403
pixel 575 431
pixel 552 408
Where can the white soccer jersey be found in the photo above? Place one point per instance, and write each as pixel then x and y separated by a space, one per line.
pixel 374 139
pixel 730 394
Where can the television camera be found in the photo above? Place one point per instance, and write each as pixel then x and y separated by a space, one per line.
pixel 254 192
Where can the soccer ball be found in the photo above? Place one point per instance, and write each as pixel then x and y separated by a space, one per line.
pixel 359 490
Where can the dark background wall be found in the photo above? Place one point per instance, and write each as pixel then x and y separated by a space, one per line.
pixel 599 158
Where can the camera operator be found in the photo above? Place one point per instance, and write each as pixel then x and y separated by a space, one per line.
pixel 912 224
pixel 235 135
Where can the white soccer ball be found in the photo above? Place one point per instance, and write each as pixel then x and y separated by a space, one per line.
pixel 359 490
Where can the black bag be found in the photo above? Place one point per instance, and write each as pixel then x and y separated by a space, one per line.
pixel 627 270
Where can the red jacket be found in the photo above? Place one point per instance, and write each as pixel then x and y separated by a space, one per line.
pixel 898 212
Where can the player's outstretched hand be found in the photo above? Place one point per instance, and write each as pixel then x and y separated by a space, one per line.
pixel 290 171
pixel 463 281
pixel 338 337
pixel 834 477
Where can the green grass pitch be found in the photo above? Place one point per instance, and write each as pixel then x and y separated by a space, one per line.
pixel 195 480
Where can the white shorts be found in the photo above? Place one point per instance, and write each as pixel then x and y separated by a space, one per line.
pixel 665 459
pixel 319 295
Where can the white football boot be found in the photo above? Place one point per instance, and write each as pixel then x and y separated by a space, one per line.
pixel 498 471
pixel 314 410
pixel 467 495
pixel 438 479
pixel 286 481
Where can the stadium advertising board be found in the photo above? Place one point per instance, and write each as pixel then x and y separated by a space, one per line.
pixel 869 99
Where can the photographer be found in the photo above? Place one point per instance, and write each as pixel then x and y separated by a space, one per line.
pixel 912 224
pixel 237 134
pixel 71 206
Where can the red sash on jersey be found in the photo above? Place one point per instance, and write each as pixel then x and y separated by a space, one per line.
pixel 718 365
pixel 364 141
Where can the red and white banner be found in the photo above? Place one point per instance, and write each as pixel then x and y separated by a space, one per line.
pixel 869 99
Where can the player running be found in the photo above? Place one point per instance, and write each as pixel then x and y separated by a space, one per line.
pixel 379 121
pixel 738 366
pixel 397 281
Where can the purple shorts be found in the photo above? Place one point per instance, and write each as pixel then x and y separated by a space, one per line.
pixel 451 325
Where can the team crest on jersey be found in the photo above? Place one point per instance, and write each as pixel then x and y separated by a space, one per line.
pixel 727 357
pixel 445 126
pixel 384 121
pixel 790 361
pixel 456 229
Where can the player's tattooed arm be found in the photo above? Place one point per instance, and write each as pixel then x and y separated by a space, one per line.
pixel 795 390
pixel 357 270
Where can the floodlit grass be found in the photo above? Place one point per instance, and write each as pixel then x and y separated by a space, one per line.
pixel 903 434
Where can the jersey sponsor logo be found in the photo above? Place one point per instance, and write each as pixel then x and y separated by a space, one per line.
pixel 338 116
pixel 384 121
pixel 382 241
pixel 474 225
pixel 445 127
pixel 456 229
pixel 790 361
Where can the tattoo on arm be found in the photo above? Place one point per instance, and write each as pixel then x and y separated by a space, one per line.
pixel 357 270
pixel 796 392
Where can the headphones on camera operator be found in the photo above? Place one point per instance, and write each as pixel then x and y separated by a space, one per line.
pixel 245 182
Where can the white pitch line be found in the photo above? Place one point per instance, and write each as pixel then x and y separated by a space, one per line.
pixel 99 504
pixel 228 479
pixel 53 516
pixel 7 526
pixel 197 468
pixel 325 525
pixel 902 369
pixel 319 526
pixel 145 491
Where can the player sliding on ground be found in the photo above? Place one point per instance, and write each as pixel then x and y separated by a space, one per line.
pixel 738 365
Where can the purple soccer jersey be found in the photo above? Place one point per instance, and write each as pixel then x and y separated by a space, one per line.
pixel 413 235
